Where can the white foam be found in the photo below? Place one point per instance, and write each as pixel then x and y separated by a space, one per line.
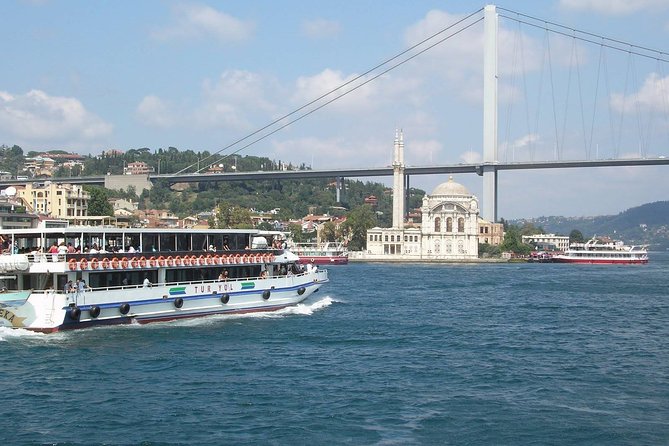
pixel 8 333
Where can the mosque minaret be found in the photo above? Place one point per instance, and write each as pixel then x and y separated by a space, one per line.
pixel 398 181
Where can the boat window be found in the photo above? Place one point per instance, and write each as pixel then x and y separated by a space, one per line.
pixel 167 242
pixel 199 242
pixel 184 242
pixel 150 242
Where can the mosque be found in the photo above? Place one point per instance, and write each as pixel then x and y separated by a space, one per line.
pixel 450 226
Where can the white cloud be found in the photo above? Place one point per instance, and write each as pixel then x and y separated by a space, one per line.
pixel 154 112
pixel 320 28
pixel 36 118
pixel 614 7
pixel 194 21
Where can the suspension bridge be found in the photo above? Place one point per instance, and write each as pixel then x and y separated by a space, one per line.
pixel 614 125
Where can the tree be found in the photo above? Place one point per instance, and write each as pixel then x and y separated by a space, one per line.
pixel 329 232
pixel 99 202
pixel 513 241
pixel 358 221
pixel 575 236
pixel 231 216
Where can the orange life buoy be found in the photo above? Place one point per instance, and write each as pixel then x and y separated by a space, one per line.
pixel 83 264
pixel 161 261
pixel 217 259
pixel 134 262
pixel 72 264
pixel 225 259
pixel 185 260
pixel 152 261
pixel 193 260
pixel 202 260
pixel 169 261
pixel 94 263
pixel 177 261
pixel 124 262
pixel 142 262
pixel 114 263
pixel 105 263
pixel 236 259
pixel 210 259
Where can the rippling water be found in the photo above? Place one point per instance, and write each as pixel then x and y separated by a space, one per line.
pixel 384 354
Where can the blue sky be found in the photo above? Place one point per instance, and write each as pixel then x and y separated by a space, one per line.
pixel 87 76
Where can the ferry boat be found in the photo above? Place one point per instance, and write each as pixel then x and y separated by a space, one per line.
pixel 94 276
pixel 603 252
pixel 327 254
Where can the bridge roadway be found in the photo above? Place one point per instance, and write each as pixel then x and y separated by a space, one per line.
pixel 477 168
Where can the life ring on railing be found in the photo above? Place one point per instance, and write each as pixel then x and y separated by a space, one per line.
pixel 202 260
pixel 185 261
pixel 217 259
pixel 177 261
pixel 83 264
pixel 142 262
pixel 114 263
pixel 236 259
pixel 169 261
pixel 268 258
pixel 124 262
pixel 152 262
pixel 134 262
pixel 105 263
pixel 72 264
pixel 161 261
pixel 193 260
pixel 94 263
pixel 225 259
pixel 210 259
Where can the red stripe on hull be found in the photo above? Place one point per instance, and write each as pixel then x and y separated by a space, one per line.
pixel 602 261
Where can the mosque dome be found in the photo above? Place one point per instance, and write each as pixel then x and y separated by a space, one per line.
pixel 450 187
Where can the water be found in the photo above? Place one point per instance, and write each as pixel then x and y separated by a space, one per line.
pixel 385 354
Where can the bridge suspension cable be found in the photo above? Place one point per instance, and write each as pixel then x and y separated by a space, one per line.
pixel 342 86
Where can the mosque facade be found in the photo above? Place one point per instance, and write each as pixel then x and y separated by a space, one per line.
pixel 449 228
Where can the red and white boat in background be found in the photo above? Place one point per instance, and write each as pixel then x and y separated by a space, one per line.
pixel 327 254
pixel 605 251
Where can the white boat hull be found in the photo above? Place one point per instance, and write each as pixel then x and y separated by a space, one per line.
pixel 52 311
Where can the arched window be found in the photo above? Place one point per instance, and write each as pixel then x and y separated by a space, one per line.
pixel 437 224
pixel 461 224
pixel 449 224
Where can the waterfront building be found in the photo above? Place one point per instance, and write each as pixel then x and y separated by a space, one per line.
pixel 490 233
pixel 449 228
pixel 548 241
pixel 57 200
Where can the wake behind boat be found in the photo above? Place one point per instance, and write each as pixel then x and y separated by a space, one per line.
pixel 102 276
pixel 597 251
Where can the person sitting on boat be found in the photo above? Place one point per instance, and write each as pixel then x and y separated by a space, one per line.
pixel 212 248
pixel 130 248
pixel 226 246
pixel 147 282
pixel 223 276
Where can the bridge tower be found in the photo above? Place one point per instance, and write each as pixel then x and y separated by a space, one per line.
pixel 398 181
pixel 489 171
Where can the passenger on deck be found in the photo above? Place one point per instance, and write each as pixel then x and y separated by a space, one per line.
pixel 147 282
pixel 223 276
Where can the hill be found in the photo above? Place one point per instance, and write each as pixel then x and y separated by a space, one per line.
pixel 645 224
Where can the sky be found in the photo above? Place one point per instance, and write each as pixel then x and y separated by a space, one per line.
pixel 88 76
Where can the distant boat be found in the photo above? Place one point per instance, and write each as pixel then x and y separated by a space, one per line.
pixel 327 254
pixel 597 251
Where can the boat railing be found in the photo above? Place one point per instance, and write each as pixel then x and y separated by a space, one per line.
pixel 39 257
pixel 188 282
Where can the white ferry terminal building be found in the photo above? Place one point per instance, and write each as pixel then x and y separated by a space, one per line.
pixel 450 226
